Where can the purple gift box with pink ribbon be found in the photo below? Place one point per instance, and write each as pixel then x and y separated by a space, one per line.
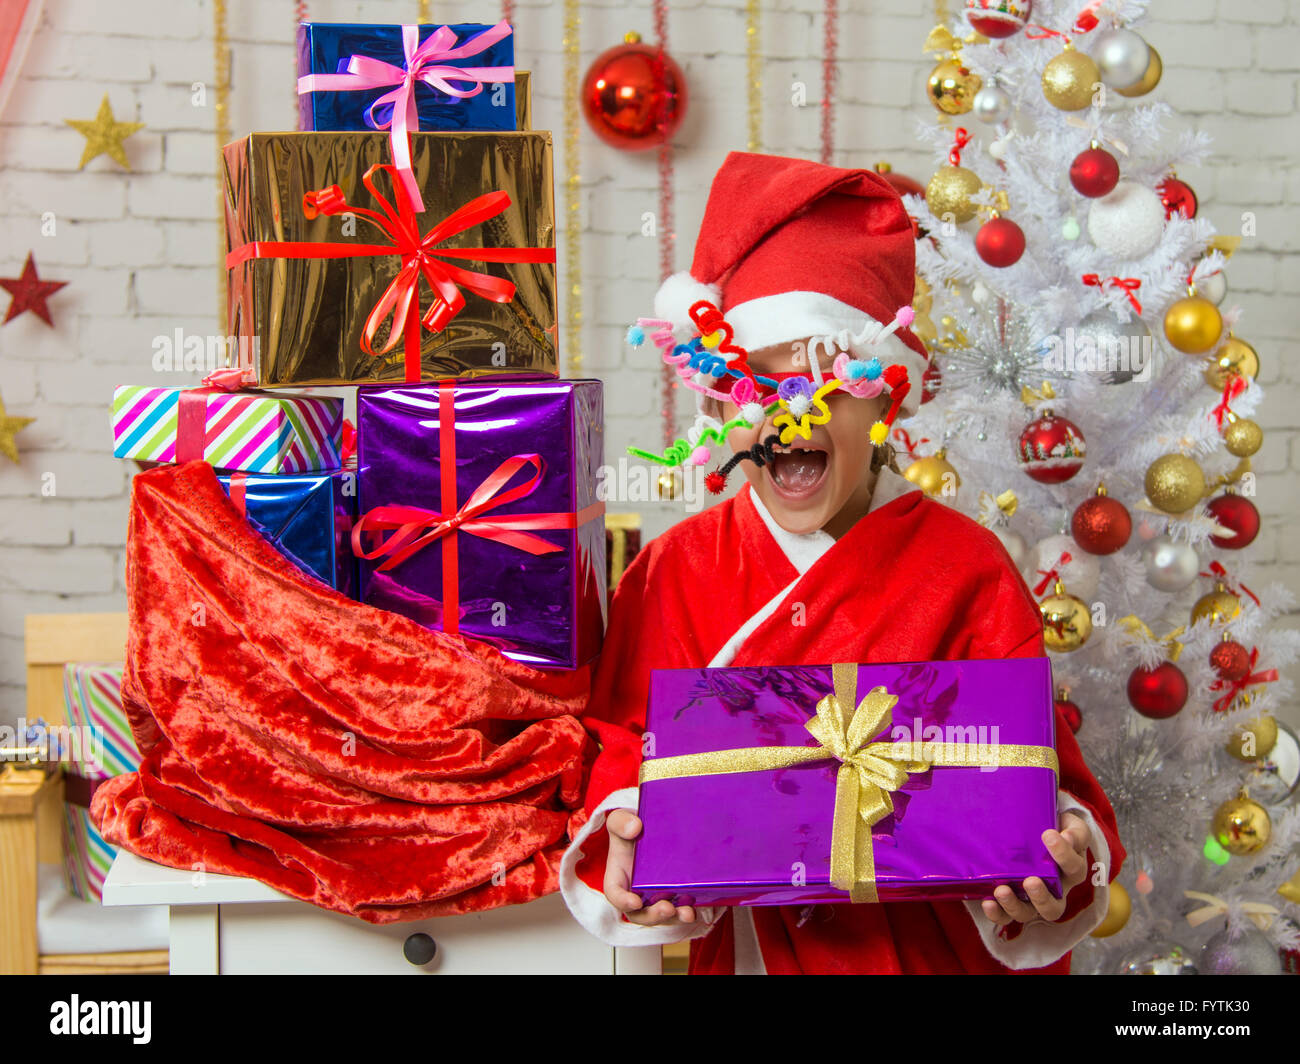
pixel 405 79
pixel 805 784
pixel 480 512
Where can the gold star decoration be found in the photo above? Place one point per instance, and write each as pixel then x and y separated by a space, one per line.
pixel 104 135
pixel 9 428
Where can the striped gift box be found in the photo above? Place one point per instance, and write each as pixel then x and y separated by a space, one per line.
pixel 249 431
pixel 100 747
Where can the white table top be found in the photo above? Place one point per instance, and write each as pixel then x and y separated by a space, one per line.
pixel 134 881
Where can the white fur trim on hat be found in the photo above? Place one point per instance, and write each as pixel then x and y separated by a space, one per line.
pixel 789 316
pixel 679 293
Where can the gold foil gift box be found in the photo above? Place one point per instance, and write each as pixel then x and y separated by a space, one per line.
pixel 335 280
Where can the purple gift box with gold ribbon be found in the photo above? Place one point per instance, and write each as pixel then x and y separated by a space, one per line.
pixel 479 512
pixel 807 784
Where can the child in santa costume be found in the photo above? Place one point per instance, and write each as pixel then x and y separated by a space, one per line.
pixel 826 554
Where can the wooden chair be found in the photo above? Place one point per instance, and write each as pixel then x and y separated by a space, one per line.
pixel 31 803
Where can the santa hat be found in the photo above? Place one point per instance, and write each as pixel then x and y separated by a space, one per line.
pixel 790 248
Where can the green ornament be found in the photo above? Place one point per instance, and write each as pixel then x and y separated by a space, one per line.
pixel 1070 228
pixel 1214 852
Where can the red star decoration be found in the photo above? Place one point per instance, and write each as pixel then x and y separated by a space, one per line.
pixel 29 293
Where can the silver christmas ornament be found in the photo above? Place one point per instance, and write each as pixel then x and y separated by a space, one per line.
pixel 1157 958
pixel 1214 288
pixel 1116 351
pixel 1273 779
pixel 1122 57
pixel 1171 565
pixel 1249 952
pixel 992 104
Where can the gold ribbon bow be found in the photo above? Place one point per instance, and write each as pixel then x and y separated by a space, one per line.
pixel 1033 396
pixel 869 771
pixel 995 508
pixel 1258 913
pixel 1139 629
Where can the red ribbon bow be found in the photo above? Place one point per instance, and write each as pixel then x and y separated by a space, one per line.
pixel 1219 573
pixel 959 141
pixel 1236 687
pixel 1235 386
pixel 1129 284
pixel 1054 573
pixel 420 258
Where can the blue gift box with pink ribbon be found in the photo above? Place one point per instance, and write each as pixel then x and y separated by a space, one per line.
pixel 354 77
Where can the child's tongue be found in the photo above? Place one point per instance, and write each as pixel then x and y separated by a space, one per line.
pixel 798 470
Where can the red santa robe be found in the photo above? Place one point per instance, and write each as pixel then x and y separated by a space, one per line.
pixel 912 581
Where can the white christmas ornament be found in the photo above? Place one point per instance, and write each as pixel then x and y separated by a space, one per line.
pixel 1122 57
pixel 1214 288
pixel 992 104
pixel 1127 222
pixel 1014 543
pixel 1171 565
pixel 1080 574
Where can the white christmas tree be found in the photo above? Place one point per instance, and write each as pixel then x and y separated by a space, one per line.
pixel 1074 301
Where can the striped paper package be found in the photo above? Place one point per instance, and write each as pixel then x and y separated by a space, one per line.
pixel 248 431
pixel 100 746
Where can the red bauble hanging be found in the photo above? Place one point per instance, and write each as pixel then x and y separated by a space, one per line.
pixel 1052 449
pixel 1072 714
pixel 931 382
pixel 1101 525
pixel 1000 242
pixel 1178 197
pixel 998 18
pixel 1094 172
pixel 1230 660
pixel 1237 514
pixel 634 96
pixel 1157 693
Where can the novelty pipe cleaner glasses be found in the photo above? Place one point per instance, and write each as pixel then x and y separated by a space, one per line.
pixel 711 359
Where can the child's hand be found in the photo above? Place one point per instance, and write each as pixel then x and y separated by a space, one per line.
pixel 624 827
pixel 1068 848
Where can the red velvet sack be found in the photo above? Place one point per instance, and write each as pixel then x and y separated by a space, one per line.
pixel 338 753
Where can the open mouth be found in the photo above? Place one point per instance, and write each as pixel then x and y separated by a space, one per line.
pixel 798 472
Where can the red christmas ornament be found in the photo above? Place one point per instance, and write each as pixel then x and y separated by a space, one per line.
pixel 1157 693
pixel 29 293
pixel 1101 525
pixel 1238 514
pixel 634 96
pixel 1000 242
pixel 1094 172
pixel 1072 714
pixel 931 382
pixel 1178 197
pixel 1231 661
pixel 904 186
pixel 998 18
pixel 1052 449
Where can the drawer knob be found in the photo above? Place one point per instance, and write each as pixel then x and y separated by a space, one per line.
pixel 419 949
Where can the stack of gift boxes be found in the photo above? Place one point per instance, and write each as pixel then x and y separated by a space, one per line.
pixel 402 242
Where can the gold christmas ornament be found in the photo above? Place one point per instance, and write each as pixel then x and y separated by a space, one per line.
pixel 922 297
pixel 1067 622
pixel 949 192
pixel 952 86
pixel 1149 80
pixel 1174 483
pixel 104 135
pixel 1070 79
pixel 1193 325
pixel 1235 356
pixel 1242 437
pixel 1117 912
pixel 667 485
pixel 1218 606
pixel 1242 826
pixel 934 475
pixel 1263 733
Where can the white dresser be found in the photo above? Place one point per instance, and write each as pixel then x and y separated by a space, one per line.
pixel 230 926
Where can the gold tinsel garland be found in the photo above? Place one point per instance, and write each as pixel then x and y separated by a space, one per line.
pixel 221 85
pixel 754 75
pixel 572 196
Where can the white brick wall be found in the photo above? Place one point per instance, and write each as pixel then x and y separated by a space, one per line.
pixel 140 251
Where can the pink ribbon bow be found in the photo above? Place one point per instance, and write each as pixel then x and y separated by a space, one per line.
pixel 425 62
